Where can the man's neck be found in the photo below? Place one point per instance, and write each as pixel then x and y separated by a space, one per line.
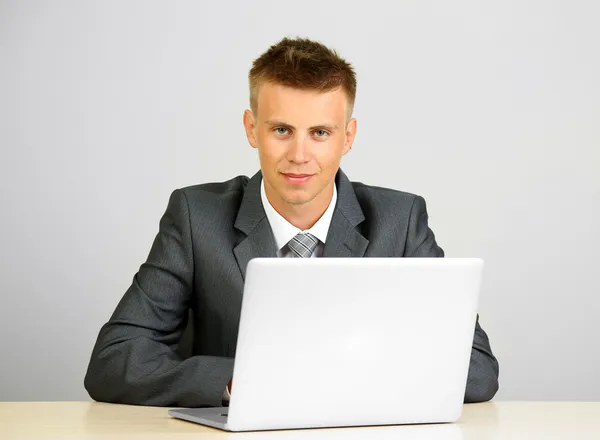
pixel 302 216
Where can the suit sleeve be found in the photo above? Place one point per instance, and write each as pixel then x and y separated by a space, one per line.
pixel 134 359
pixel 482 381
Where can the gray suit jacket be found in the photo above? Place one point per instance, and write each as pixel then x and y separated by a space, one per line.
pixel 197 263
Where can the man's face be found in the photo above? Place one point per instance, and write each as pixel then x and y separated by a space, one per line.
pixel 301 136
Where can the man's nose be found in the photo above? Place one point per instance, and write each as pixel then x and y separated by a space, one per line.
pixel 299 150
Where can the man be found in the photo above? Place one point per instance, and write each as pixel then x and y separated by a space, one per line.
pixel 300 205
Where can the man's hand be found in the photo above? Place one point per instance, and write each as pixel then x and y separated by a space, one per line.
pixel 227 393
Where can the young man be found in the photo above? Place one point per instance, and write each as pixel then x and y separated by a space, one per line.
pixel 299 205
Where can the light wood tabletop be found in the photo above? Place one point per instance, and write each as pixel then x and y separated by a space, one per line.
pixel 497 420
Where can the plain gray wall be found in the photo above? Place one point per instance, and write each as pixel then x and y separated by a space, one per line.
pixel 490 110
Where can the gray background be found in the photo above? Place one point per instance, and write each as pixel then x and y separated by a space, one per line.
pixel 490 110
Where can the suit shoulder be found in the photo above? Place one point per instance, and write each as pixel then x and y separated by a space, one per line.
pixel 215 198
pixel 216 189
pixel 382 195
pixel 379 203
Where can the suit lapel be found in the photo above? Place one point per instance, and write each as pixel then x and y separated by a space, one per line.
pixel 259 243
pixel 343 238
pixel 253 222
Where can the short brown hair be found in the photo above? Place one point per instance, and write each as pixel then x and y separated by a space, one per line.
pixel 303 64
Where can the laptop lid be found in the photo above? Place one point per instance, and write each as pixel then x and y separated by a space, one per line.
pixel 353 342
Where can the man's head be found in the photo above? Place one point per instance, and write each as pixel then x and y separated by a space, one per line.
pixel 301 96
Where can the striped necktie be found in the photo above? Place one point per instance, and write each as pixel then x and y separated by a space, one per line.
pixel 303 245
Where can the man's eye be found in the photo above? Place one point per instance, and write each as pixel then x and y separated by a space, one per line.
pixel 281 130
pixel 321 133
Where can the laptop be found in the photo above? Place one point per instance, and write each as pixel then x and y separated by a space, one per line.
pixel 335 342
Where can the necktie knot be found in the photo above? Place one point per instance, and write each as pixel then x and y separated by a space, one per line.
pixel 303 245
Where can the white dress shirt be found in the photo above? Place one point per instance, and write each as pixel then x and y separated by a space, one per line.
pixel 284 231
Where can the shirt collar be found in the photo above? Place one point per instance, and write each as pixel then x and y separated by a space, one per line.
pixel 284 231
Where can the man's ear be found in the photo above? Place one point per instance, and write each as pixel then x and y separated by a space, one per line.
pixel 350 135
pixel 250 127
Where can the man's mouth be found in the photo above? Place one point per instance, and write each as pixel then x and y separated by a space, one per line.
pixel 296 178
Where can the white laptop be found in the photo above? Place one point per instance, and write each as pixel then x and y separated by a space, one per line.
pixel 331 342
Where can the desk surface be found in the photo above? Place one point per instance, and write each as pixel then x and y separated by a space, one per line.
pixel 498 420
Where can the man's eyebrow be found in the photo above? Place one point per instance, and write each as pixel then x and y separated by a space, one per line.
pixel 329 127
pixel 274 122
pixel 277 123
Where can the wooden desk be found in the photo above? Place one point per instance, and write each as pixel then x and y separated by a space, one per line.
pixel 499 420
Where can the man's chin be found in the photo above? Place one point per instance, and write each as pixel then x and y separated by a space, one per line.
pixel 297 197
pixel 297 200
